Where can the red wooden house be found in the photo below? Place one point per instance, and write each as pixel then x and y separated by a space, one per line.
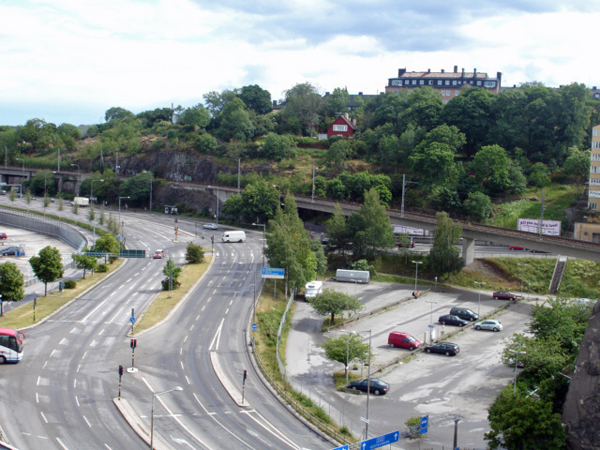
pixel 341 126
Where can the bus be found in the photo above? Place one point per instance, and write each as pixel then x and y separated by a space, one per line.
pixel 11 345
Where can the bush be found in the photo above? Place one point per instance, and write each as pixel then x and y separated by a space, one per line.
pixel 70 284
pixel 102 268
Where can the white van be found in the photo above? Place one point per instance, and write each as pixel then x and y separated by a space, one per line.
pixel 313 289
pixel 353 276
pixel 234 236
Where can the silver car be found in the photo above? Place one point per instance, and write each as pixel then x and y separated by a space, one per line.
pixel 210 226
pixel 491 325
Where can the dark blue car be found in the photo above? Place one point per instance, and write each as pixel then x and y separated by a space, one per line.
pixel 449 319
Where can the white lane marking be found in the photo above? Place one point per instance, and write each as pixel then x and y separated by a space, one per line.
pixel 273 430
pixel 37 397
pixel 217 337
pixel 101 332
pixel 84 353
pixel 111 295
pixel 75 383
pixel 136 275
pixel 106 445
pixel 160 399
pixel 185 338
pixel 192 327
pixel 181 351
pixel 197 317
pixel 44 417
pixel 38 381
pixel 77 400
pixel 183 441
pixel 93 343
pixel 44 366
pixel 181 362
pixel 94 310
pixel 78 367
pixel 63 341
pixel 74 330
pixel 187 379
pixel 203 308
pixel 127 282
pixel 52 352
pixel 227 311
pixel 87 421
pixel 115 316
pixel 231 302
pixel 61 444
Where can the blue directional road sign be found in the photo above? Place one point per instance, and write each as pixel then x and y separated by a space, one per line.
pixel 343 447
pixel 423 424
pixel 132 320
pixel 270 272
pixel 380 441
pixel 254 327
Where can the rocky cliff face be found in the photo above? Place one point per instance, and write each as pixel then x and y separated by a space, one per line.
pixel 581 413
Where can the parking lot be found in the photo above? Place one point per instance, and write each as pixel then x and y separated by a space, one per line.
pixel 427 384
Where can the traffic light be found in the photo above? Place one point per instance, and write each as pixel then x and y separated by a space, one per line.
pixel 120 371
pixel 245 375
pixel 133 343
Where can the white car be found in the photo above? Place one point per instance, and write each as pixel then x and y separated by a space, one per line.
pixel 491 325
pixel 210 226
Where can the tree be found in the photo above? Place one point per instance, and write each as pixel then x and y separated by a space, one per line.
pixel 444 257
pixel 577 163
pixel 337 229
pixel 305 104
pixel 422 107
pixel 337 102
pixel 47 266
pixel 345 349
pixel 256 99
pixel 117 113
pixel 11 282
pixel 477 206
pixel 235 122
pixel 321 258
pixel 370 227
pixel 107 243
pixel 435 163
pixel 276 147
pixel 491 167
pixel 289 246
pixel 330 303
pixel 196 117
pixel 172 272
pixel 138 187
pixel 524 423
pixel 85 262
pixel 338 153
pixel 194 254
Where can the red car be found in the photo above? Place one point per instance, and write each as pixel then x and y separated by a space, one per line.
pixel 159 254
pixel 3 236
pixel 515 247
pixel 504 296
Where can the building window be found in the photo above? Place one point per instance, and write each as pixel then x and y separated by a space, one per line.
pixel 439 82
pixel 594 169
pixel 414 81
pixel 595 144
pixel 456 92
pixel 342 128
pixel 396 91
pixel 396 82
pixel 594 133
pixel 489 84
pixel 430 82
pixel 594 181
pixel 447 82
pixel 454 82
pixel 421 82
pixel 479 83
pixel 593 206
pixel 595 156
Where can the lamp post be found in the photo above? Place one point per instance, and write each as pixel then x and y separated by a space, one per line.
pixel 263 239
pixel 78 178
pixel 522 265
pixel 348 351
pixel 368 389
pixel 156 394
pixel 416 263
pixel 23 161
pixel 92 195
pixel 479 284
pixel 151 180
pixel 517 353
pixel 431 313
pixel 120 208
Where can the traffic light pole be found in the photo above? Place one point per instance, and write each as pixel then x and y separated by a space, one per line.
pixel 133 345
pixel 244 385
pixel 120 375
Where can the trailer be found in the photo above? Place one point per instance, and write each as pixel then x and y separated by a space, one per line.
pixel 353 276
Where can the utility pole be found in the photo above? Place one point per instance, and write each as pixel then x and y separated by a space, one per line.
pixel 239 173
pixel 402 204
pixel 541 215
pixel 313 183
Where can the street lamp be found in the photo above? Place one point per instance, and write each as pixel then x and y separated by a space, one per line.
pixel 522 265
pixel 92 195
pixel 348 351
pixel 156 394
pixel 78 178
pixel 368 389
pixel 263 238
pixel 517 353
pixel 23 178
pixel 120 207
pixel 479 284
pixel 416 263
pixel 431 313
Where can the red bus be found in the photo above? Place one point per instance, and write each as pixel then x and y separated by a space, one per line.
pixel 11 345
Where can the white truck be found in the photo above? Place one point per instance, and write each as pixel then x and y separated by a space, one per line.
pixel 313 289
pixel 81 201
pixel 234 236
pixel 353 276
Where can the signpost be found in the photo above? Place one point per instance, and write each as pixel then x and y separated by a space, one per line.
pixel 423 424
pixel 380 441
pixel 270 272
pixel 343 447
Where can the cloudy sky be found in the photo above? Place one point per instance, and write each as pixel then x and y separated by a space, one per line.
pixel 68 61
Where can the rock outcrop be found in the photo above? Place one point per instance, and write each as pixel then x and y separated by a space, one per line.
pixel 581 412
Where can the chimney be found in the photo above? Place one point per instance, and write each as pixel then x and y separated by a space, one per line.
pixel 594 88
pixel 401 72
pixel 499 76
pixel 360 93
pixel 463 72
pixel 474 73
pixel 428 70
pixel 455 69
pixel 442 70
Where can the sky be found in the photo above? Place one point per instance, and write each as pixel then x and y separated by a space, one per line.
pixel 69 61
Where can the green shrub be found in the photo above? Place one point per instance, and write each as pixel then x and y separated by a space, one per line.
pixel 70 284
pixel 102 268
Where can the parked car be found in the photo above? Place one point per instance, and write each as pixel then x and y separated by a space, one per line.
pixel 378 387
pixel 403 340
pixel 444 348
pixel 3 236
pixel 449 319
pixel 210 226
pixel 502 295
pixel 159 254
pixel 515 247
pixel 406 242
pixel 464 313
pixel 16 251
pixel 491 325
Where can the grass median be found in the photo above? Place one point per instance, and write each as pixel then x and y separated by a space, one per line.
pixel 23 316
pixel 165 301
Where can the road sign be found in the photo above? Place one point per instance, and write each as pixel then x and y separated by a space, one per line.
pixel 254 327
pixel 343 447
pixel 380 441
pixel 423 424
pixel 270 272
pixel 132 320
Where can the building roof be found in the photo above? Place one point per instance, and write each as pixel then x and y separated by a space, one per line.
pixel 478 75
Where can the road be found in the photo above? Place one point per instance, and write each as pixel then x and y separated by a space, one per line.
pixel 60 395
